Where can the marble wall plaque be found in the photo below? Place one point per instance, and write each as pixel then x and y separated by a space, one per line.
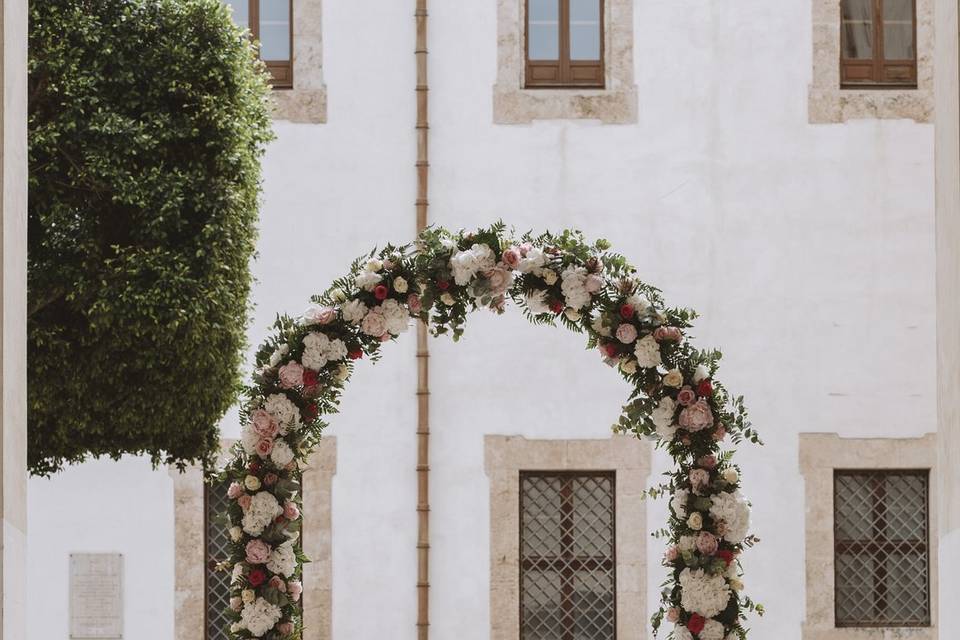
pixel 96 595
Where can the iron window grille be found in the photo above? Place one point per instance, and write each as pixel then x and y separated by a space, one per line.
pixel 216 583
pixel 567 556
pixel 882 563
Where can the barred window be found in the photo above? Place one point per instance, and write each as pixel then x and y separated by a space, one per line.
pixel 216 584
pixel 881 548
pixel 567 563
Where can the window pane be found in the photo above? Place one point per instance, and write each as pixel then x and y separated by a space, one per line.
pixel 585 29
pixel 857 29
pixel 898 42
pixel 275 29
pixel 544 30
pixel 241 12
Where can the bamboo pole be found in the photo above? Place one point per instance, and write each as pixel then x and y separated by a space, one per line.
pixel 423 353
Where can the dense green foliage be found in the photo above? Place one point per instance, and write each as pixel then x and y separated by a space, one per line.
pixel 147 121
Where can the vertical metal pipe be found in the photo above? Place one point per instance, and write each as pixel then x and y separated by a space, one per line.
pixel 423 353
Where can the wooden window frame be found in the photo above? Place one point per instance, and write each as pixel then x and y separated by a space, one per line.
pixel 877 72
pixel 564 73
pixel 281 71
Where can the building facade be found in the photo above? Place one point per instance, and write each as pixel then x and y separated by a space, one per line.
pixel 770 164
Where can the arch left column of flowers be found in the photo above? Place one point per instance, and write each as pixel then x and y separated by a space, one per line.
pixel 301 371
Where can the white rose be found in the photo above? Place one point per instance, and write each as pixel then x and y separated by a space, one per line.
pixel 549 276
pixel 278 354
pixel 679 503
pixel 282 454
pixel 572 314
pixel 662 416
pixel 600 328
pixel 252 483
pixel 730 475
pixel 448 300
pixel 673 378
pixel 367 280
pixel 534 259
pixel 628 366
pixel 687 543
pixel 236 533
pixel 374 265
pixel 701 373
pixel 695 521
pixel 248 596
pixel 736 584
pixel 236 627
pixel 639 303
pixel 342 372
pixel 337 294
pixel 400 285
pixel 448 244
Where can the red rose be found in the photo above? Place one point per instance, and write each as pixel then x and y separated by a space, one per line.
pixel 356 354
pixel 254 467
pixel 310 378
pixel 310 412
pixel 257 577
pixel 380 292
pixel 610 349
pixel 626 311
pixel 696 623
pixel 726 555
pixel 556 306
pixel 443 285
pixel 705 389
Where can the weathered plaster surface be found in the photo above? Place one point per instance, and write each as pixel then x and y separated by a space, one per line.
pixel 505 457
pixel 615 104
pixel 820 454
pixel 828 103
pixel 307 101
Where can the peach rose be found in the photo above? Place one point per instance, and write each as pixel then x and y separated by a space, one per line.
pixel 234 491
pixel 291 375
pixel 593 283
pixel 258 552
pixel 673 614
pixel 413 302
pixel 294 588
pixel 707 543
pixel 320 315
pixel 244 501
pixel 697 416
pixel 264 424
pixel 285 629
pixel 291 511
pixel 667 334
pixel 277 583
pixel 699 479
pixel 511 257
pixel 264 447
pixel 626 333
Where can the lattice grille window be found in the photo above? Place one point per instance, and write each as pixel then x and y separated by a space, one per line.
pixel 216 580
pixel 567 561
pixel 881 549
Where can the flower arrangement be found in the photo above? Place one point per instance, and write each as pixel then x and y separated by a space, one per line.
pixel 554 278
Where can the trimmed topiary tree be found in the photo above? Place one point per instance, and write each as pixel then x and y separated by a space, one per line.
pixel 147 122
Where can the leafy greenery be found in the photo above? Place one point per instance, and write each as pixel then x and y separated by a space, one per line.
pixel 147 121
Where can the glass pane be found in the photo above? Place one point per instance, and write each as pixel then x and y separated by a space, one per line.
pixel 905 501
pixel 857 30
pixel 585 29
pixel 898 10
pixel 544 30
pixel 898 41
pixel 241 12
pixel 275 29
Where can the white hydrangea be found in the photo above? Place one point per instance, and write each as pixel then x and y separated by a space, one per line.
pixel 249 439
pixel 537 302
pixel 534 260
pixel 354 311
pixel 397 317
pixel 712 630
pixel 703 593
pixel 680 632
pixel 280 406
pixel 679 502
pixel 574 292
pixel 734 511
pixel 259 617
pixel 662 417
pixel 264 508
pixel 282 454
pixel 648 352
pixel 639 303
pixel 466 264
pixel 283 560
pixel 367 280
pixel 687 543
pixel 318 350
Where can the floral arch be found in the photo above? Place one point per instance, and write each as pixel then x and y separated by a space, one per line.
pixel 677 401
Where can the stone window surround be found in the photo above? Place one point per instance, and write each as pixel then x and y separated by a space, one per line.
pixel 820 454
pixel 615 104
pixel 505 457
pixel 828 103
pixel 307 100
pixel 189 544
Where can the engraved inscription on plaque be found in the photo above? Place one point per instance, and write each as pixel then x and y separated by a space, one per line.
pixel 96 595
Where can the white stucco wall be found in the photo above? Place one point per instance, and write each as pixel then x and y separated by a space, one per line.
pixel 808 250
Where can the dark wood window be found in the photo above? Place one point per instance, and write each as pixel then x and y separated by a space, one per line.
pixel 882 560
pixel 271 24
pixel 564 43
pixel 878 43
pixel 567 560
pixel 216 583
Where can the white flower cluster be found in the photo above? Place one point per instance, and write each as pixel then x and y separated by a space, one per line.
pixel 283 560
pixel 573 287
pixel 263 509
pixel 662 417
pixel 367 280
pixel 537 302
pixel 318 350
pixel 680 632
pixel 282 454
pixel 533 261
pixel 712 630
pixel 647 352
pixel 259 617
pixel 388 317
pixel 734 511
pixel 354 311
pixel 286 413
pixel 279 354
pixel 466 264
pixel 703 593
pixel 679 503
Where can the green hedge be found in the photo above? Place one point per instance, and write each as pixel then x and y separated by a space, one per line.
pixel 147 122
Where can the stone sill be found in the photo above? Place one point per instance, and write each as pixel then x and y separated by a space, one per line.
pixel 512 105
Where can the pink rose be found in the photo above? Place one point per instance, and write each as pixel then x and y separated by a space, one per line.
pixel 720 433
pixel 264 424
pixel 626 333
pixel 291 511
pixel 593 283
pixel 667 334
pixel 291 375
pixel 285 629
pixel 320 315
pixel 721 528
pixel 414 304
pixel 236 603
pixel 511 257
pixel 697 416
pixel 686 396
pixel 499 280
pixel 708 462
pixel 270 479
pixel 234 491
pixel 244 501
pixel 699 479
pixel 294 588
pixel 525 249
pixel 671 554
pixel 673 614
pixel 264 447
pixel 277 583
pixel 707 543
pixel 258 552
